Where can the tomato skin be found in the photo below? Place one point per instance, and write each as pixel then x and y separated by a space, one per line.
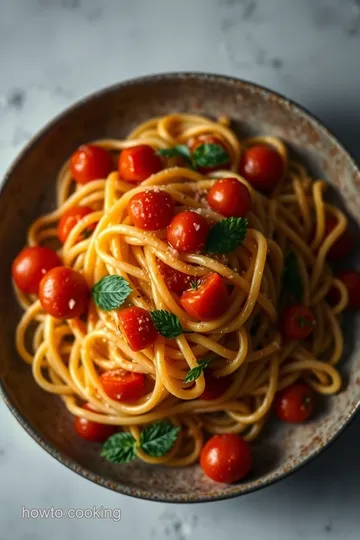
pixel 214 387
pixel 137 163
pixel 70 219
pixel 137 327
pixel 64 293
pixel 176 281
pixel 30 266
pixel 151 210
pixel 206 138
pixel 90 162
pixel 230 198
pixel 263 167
pixel 122 385
pixel 295 403
pixel 351 280
pixel 92 431
pixel 209 301
pixel 342 246
pixel 226 458
pixel 297 322
pixel 188 232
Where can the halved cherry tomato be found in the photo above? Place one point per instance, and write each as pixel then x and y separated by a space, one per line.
pixel 138 328
pixel 90 162
pixel 64 293
pixel 70 219
pixel 30 266
pixel 230 198
pixel 214 387
pixel 351 280
pixel 295 403
pixel 151 210
pixel 188 232
pixel 176 281
pixel 122 385
pixel 297 322
pixel 209 300
pixel 263 167
pixel 137 163
pixel 343 245
pixel 206 138
pixel 92 431
pixel 226 458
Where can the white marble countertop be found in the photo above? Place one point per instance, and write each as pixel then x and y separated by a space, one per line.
pixel 52 52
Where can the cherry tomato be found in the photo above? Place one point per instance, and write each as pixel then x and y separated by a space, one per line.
pixel 209 300
pixel 351 280
pixel 138 328
pixel 297 322
pixel 195 142
pixel 138 163
pixel 151 210
pixel 90 162
pixel 295 403
pixel 214 387
pixel 122 385
pixel 92 431
pixel 263 167
pixel 30 266
pixel 64 293
pixel 343 245
pixel 226 458
pixel 230 198
pixel 188 232
pixel 176 281
pixel 70 219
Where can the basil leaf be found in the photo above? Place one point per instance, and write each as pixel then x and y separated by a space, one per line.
pixel 110 292
pixel 181 150
pixel 209 155
pixel 227 235
pixel 166 323
pixel 158 438
pixel 194 373
pixel 119 448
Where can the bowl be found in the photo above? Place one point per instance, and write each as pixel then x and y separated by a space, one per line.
pixel 29 189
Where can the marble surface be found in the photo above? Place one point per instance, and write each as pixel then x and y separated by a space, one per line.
pixel 53 52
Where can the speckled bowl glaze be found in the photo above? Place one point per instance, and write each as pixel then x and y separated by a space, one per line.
pixel 29 189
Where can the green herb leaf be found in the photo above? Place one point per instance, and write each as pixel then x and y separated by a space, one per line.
pixel 194 373
pixel 166 323
pixel 181 150
pixel 119 448
pixel 158 438
pixel 110 292
pixel 227 235
pixel 291 279
pixel 209 155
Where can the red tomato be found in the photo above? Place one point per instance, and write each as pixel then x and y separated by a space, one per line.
pixel 90 162
pixel 138 163
pixel 188 232
pixel 297 322
pixel 176 281
pixel 151 210
pixel 295 403
pixel 64 293
pixel 122 385
pixel 351 280
pixel 343 245
pixel 70 219
pixel 138 328
pixel 92 431
pixel 209 300
pixel 206 138
pixel 30 266
pixel 214 387
pixel 263 167
pixel 226 458
pixel 230 198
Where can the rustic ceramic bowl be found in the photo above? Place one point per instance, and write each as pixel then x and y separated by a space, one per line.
pixel 29 189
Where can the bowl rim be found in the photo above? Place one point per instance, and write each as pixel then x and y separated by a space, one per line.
pixel 60 456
